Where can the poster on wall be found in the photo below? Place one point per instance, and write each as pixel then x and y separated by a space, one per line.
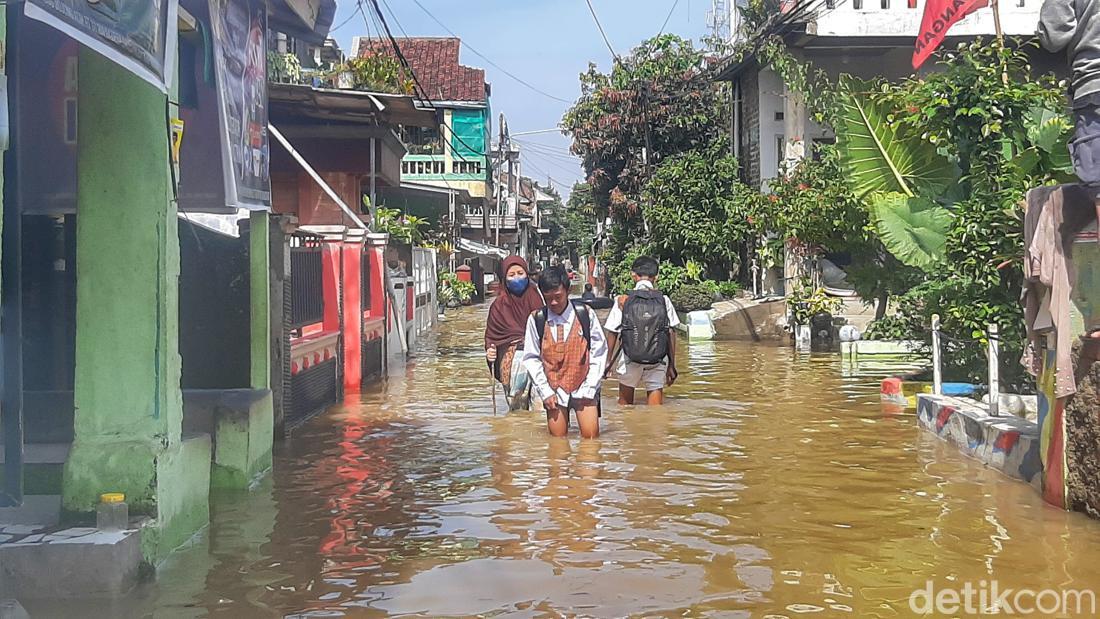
pixel 132 33
pixel 202 177
pixel 241 67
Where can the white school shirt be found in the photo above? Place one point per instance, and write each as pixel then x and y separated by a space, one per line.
pixel 532 355
pixel 615 322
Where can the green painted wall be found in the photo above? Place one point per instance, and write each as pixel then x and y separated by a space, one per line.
pixel 259 251
pixel 128 399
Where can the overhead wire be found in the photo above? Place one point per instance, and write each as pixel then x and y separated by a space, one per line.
pixel 358 8
pixel 420 92
pixel 669 17
pixel 489 60
pixel 549 152
pixel 555 164
pixel 596 18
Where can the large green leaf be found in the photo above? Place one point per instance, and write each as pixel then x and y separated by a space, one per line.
pixel 1047 129
pixel 883 156
pixel 914 230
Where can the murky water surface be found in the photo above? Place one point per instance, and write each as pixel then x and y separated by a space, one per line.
pixel 768 486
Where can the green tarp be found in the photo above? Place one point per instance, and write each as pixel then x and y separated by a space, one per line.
pixel 469 133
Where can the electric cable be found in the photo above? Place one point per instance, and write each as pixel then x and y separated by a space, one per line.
pixel 422 93
pixel 489 60
pixel 596 18
pixel 670 12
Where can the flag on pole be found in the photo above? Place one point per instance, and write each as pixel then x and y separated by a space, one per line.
pixel 939 17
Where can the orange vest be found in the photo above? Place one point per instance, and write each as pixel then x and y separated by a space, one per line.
pixel 565 362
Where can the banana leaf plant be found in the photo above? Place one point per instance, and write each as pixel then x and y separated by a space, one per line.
pixel 913 229
pixel 1041 147
pixel 897 173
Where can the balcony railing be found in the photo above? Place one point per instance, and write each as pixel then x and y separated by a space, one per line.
pixel 436 167
pixel 476 221
pixel 874 18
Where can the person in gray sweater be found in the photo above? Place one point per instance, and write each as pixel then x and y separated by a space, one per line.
pixel 1074 26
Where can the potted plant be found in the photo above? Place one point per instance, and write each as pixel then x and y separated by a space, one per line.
pixel 454 292
pixel 810 307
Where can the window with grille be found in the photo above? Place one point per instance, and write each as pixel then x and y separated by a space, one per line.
pixel 307 300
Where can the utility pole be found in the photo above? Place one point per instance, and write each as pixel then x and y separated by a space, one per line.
pixel 720 18
pixel 500 181
pixel 501 204
pixel 648 154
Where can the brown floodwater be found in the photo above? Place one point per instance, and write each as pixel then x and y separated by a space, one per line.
pixel 770 485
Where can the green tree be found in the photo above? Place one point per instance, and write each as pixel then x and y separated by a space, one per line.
pixel 656 102
pixel 572 225
pixel 696 209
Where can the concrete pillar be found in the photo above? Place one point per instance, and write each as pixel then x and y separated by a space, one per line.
pixel 259 238
pixel 128 399
pixel 794 127
pixel 794 130
pixel 279 292
pixel 351 251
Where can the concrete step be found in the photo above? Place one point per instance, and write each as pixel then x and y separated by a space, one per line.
pixel 84 564
pixel 11 609
pixel 38 510
pixel 43 467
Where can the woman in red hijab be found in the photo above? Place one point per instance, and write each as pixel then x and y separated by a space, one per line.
pixel 507 326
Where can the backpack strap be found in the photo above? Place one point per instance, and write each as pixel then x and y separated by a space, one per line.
pixel 586 321
pixel 542 315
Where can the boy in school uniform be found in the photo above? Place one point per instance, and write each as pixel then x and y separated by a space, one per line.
pixel 642 322
pixel 565 353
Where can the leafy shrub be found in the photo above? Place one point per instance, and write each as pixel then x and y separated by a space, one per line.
pixel 729 290
pixel 806 302
pixel 694 296
pixel 462 290
pixel 889 328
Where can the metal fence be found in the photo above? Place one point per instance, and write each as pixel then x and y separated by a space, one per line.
pixel 307 297
pixel 364 281
pixel 993 354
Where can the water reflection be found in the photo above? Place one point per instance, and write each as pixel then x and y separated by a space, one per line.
pixel 768 485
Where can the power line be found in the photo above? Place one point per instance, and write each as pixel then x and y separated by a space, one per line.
pixel 560 159
pixel 670 12
pixel 423 93
pixel 358 8
pixel 545 147
pixel 595 17
pixel 575 168
pixel 488 60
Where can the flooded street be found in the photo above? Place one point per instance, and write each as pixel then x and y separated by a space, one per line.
pixel 769 486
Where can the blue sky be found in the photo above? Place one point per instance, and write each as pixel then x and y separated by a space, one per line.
pixel 548 43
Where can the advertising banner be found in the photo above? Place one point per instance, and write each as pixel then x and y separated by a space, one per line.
pixel 132 33
pixel 240 54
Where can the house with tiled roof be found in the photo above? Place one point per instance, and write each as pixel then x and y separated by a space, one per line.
pixel 455 155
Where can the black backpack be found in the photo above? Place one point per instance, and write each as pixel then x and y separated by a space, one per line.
pixel 644 332
pixel 542 315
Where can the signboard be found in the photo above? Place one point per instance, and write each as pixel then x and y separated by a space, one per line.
pixel 132 33
pixel 202 175
pixel 240 54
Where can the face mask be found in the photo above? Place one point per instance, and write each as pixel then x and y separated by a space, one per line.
pixel 517 285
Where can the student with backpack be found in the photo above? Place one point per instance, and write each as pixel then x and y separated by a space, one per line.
pixel 565 353
pixel 642 323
